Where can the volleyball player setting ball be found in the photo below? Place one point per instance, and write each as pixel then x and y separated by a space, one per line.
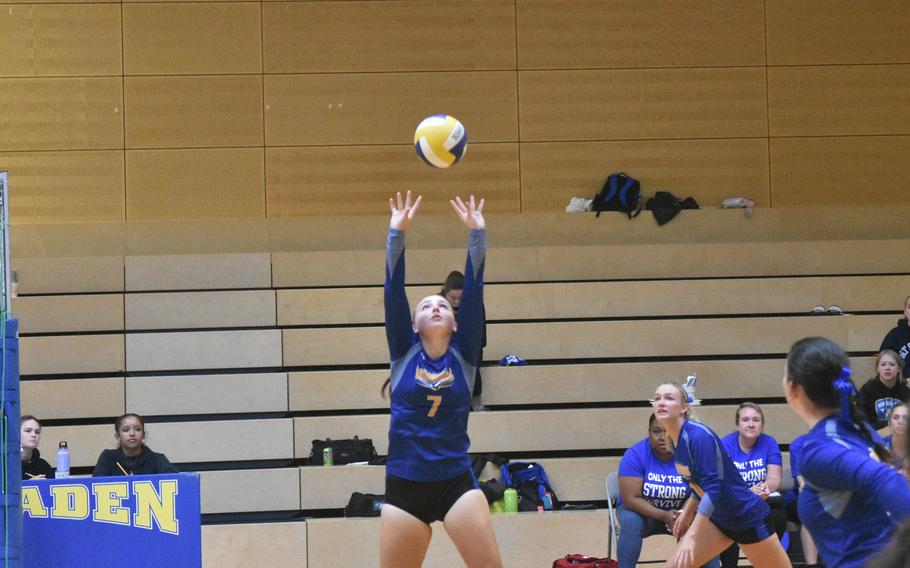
pixel 722 508
pixel 852 500
pixel 434 357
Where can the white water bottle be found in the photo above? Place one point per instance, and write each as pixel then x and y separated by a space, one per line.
pixel 63 461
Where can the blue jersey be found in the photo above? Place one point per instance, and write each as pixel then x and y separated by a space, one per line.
pixel 431 398
pixel 710 473
pixel 851 502
pixel 753 465
pixel 662 486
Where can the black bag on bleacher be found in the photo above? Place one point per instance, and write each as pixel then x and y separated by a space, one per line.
pixel 364 505
pixel 343 451
pixel 620 192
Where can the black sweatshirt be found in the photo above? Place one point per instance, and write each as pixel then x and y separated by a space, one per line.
pixel 878 400
pixel 36 466
pixel 147 462
pixel 898 339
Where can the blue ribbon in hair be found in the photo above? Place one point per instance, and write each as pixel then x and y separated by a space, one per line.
pixel 845 390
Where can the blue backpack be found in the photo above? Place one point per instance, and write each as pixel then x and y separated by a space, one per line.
pixel 620 192
pixel 530 480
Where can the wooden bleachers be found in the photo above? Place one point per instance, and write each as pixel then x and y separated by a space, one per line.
pixel 241 360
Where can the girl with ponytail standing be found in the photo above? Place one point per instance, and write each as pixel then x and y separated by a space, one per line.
pixel 852 500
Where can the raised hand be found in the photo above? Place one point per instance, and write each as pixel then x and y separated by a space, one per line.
pixel 470 215
pixel 402 213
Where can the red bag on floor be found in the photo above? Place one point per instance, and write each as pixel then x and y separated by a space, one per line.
pixel 580 560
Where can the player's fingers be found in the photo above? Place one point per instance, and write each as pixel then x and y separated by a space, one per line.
pixel 415 206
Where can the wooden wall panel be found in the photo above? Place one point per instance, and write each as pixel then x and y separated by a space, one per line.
pixel 198 271
pixel 360 179
pixel 224 183
pixel 226 440
pixel 708 170
pixel 407 35
pixel 81 39
pixel 79 113
pixel 62 187
pixel 243 491
pixel 839 100
pixel 185 39
pixel 73 398
pixel 207 394
pixel 652 103
pixel 85 442
pixel 203 350
pixel 594 34
pixel 188 310
pixel 266 545
pixel 62 354
pixel 846 170
pixel 68 275
pixel 384 108
pixel 45 314
pixel 181 112
pixel 823 32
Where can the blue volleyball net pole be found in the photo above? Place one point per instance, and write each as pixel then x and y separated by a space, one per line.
pixel 11 467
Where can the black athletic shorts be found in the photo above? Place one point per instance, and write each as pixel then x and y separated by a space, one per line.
pixel 750 534
pixel 428 501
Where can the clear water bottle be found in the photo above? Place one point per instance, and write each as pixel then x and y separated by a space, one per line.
pixel 63 461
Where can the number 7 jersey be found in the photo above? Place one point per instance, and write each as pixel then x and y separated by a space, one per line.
pixel 431 398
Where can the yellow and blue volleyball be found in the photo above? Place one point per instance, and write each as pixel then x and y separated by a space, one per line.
pixel 440 140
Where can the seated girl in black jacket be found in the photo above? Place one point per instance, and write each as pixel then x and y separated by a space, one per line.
pixel 132 456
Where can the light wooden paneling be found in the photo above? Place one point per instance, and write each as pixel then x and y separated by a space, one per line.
pixel 562 383
pixel 248 490
pixel 524 539
pixel 180 112
pixel 184 310
pixel 73 398
pixel 85 442
pixel 630 261
pixel 591 34
pixel 652 103
pixel 544 430
pixel 81 39
pixel 839 100
pixel 636 338
pixel 198 271
pixel 207 394
pixel 844 170
pixel 44 314
pixel 185 39
pixel 54 355
pixel 360 179
pixel 203 350
pixel 384 108
pixel 268 545
pixel 81 113
pixel 388 36
pixel 837 32
pixel 708 170
pixel 223 183
pixel 317 306
pixel 66 275
pixel 60 187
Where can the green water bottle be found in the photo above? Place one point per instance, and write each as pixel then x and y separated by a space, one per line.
pixel 511 500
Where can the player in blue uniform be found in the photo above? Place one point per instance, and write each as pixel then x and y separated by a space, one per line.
pixel 433 362
pixel 852 500
pixel 722 509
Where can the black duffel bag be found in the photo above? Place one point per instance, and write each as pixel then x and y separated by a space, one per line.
pixel 343 451
pixel 364 505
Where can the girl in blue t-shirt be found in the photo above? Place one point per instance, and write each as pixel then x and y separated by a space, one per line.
pixel 651 494
pixel 722 509
pixel 896 440
pixel 852 500
pixel 433 361
pixel 757 457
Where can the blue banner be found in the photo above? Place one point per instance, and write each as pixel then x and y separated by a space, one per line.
pixel 140 521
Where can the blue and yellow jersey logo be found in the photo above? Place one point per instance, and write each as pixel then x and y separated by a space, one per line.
pixel 434 381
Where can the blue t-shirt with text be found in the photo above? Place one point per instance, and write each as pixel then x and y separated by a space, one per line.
pixel 753 465
pixel 662 486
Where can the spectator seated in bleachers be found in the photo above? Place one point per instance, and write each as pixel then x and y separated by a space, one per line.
pixel 884 391
pixel 898 339
pixel 896 440
pixel 132 456
pixel 33 465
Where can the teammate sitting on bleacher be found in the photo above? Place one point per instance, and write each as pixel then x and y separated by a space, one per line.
pixel 132 456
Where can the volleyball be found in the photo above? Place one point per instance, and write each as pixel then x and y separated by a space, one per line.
pixel 440 140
